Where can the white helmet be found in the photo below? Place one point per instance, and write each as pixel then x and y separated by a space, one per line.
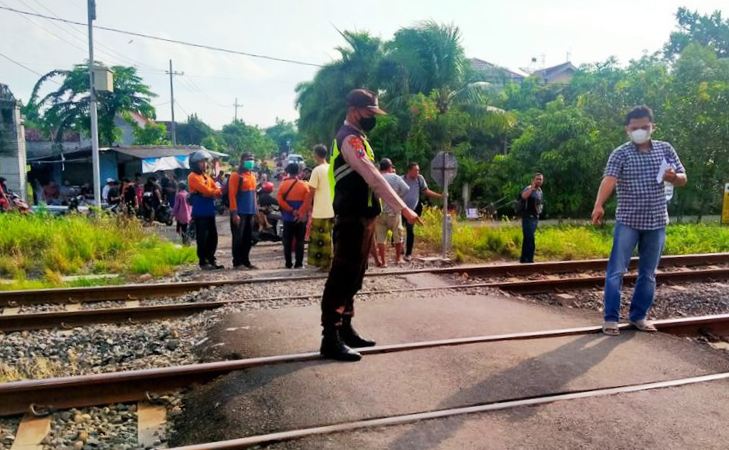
pixel 200 155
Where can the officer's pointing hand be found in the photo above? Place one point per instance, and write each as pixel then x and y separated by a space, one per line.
pixel 411 217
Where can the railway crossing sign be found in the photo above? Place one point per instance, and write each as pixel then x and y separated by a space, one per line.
pixel 444 168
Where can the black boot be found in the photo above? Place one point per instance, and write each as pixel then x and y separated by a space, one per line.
pixel 332 347
pixel 350 336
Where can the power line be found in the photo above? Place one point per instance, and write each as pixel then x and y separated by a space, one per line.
pixel 173 41
pixel 26 67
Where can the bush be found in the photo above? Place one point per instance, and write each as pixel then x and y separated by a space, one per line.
pixel 39 249
pixel 473 241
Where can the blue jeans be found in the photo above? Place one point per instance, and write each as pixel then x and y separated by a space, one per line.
pixel 650 245
pixel 528 245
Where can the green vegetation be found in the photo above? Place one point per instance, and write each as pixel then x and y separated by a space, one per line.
pixel 477 241
pixel 504 131
pixel 38 250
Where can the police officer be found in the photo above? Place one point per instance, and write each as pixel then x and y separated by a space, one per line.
pixel 357 188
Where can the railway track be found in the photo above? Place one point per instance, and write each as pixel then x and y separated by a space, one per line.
pixel 150 290
pixel 136 313
pixel 48 395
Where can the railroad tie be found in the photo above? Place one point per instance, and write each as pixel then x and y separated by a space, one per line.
pixel 31 432
pixel 151 422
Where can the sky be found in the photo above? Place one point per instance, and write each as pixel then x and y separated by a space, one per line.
pixel 507 33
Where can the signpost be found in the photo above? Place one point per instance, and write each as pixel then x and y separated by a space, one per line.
pixel 444 169
pixel 725 209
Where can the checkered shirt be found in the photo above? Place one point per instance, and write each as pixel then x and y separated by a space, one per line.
pixel 641 199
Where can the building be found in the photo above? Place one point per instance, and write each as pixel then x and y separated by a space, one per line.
pixel 74 165
pixel 496 74
pixel 12 143
pixel 561 74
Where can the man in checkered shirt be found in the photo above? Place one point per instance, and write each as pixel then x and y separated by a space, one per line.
pixel 639 169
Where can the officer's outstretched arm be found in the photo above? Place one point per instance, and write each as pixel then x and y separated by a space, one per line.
pixel 354 153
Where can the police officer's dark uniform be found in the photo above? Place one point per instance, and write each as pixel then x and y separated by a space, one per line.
pixel 357 188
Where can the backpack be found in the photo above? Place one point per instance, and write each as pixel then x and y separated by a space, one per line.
pixel 520 205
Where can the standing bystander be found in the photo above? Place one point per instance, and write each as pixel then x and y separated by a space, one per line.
pixel 242 199
pixel 417 187
pixel 291 196
pixel 322 212
pixel 531 199
pixel 182 212
pixel 390 220
pixel 203 192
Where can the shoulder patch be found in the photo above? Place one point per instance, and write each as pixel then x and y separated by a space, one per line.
pixel 358 146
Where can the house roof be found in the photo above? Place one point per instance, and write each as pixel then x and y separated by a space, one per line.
pixel 135 151
pixel 550 72
pixel 159 151
pixel 485 66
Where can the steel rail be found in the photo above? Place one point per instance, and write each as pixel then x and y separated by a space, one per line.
pixel 138 291
pixel 18 397
pixel 250 441
pixel 66 319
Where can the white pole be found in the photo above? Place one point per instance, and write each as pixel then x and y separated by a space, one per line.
pixel 92 108
pixel 445 207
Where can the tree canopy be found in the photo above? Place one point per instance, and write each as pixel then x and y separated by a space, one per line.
pixel 502 134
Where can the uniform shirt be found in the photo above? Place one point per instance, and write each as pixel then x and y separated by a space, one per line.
pixel 353 152
pixel 242 192
pixel 641 197
pixel 398 185
pixel 203 191
pixel 417 187
pixel 296 192
pixel 319 180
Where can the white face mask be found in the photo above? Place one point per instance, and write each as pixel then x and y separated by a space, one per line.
pixel 640 136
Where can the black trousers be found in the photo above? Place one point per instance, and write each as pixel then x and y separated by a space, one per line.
pixel 528 244
pixel 294 231
pixel 410 231
pixel 242 235
pixel 352 241
pixel 206 235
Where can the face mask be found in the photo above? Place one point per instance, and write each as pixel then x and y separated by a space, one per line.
pixel 248 164
pixel 367 123
pixel 640 136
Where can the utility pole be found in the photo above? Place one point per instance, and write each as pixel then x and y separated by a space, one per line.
pixel 236 104
pixel 91 7
pixel 172 101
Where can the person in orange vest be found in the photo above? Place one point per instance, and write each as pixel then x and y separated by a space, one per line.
pixel 291 196
pixel 242 196
pixel 203 192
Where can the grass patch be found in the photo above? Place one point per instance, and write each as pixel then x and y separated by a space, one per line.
pixel 478 242
pixel 37 250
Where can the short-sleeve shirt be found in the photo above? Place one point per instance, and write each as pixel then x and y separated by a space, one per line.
pixel 398 185
pixel 319 180
pixel 534 203
pixel 417 187
pixel 642 201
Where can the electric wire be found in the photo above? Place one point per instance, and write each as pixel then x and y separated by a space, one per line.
pixel 158 38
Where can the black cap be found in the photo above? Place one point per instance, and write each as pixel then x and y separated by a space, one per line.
pixel 363 98
pixel 385 164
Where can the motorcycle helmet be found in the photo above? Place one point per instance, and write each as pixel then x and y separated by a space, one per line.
pixel 267 187
pixel 196 157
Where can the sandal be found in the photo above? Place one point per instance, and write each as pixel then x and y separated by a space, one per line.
pixel 611 328
pixel 644 325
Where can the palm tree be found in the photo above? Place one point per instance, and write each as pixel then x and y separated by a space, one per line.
pixel 429 59
pixel 321 102
pixel 67 108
